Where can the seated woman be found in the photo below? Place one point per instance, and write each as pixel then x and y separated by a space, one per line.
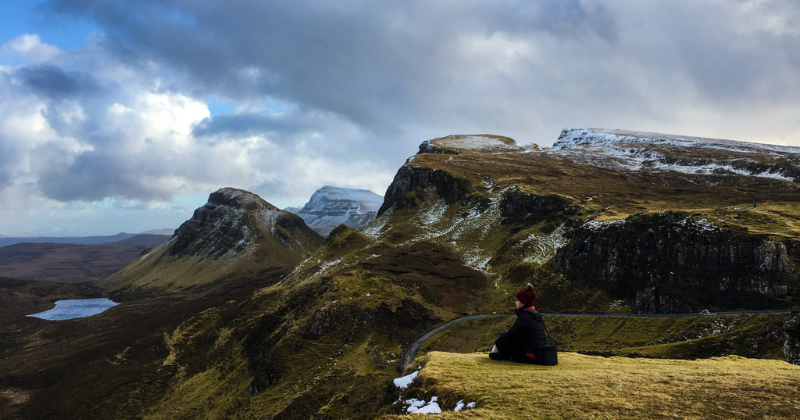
pixel 527 334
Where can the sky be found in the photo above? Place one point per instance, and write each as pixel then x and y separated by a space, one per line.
pixel 123 115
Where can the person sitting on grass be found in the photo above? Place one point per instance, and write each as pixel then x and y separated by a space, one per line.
pixel 527 334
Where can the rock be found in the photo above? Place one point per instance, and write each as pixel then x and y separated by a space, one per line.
pixel 409 182
pixel 531 207
pixel 791 347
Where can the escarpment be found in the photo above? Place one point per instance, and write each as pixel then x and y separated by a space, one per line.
pixel 669 262
pixel 408 183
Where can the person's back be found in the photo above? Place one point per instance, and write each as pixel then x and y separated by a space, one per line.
pixel 527 334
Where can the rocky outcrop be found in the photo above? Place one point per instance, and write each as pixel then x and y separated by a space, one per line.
pixel 222 226
pixel 791 347
pixel 408 183
pixel 669 263
pixel 531 207
pixel 428 147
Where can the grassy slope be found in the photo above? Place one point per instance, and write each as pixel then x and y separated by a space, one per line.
pixel 160 270
pixel 758 336
pixel 592 387
pixel 331 336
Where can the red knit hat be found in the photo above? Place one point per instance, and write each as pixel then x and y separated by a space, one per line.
pixel 527 295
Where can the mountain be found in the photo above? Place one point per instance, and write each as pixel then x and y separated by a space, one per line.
pixel 657 223
pixel 332 206
pixel 470 219
pixel 165 231
pixel 234 232
pixel 250 314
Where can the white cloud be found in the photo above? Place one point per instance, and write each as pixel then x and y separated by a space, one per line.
pixel 30 48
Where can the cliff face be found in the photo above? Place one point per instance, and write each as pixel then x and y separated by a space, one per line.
pixel 410 181
pixel 670 263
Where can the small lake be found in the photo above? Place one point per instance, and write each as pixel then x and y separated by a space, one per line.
pixel 75 308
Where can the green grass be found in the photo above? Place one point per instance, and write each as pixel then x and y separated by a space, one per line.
pixel 593 387
pixel 655 337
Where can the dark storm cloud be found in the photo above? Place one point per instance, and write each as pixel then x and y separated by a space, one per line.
pixel 54 82
pixel 372 62
pixel 247 124
pixel 92 177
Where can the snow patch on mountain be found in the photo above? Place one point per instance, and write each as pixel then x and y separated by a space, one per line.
pixel 330 207
pixel 600 137
pixel 474 142
pixel 635 151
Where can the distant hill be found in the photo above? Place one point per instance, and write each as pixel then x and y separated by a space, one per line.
pixel 330 207
pixel 78 240
pixel 143 240
pixel 71 263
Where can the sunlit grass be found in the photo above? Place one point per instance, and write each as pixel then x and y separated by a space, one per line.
pixel 593 387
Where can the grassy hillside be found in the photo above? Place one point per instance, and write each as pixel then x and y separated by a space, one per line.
pixel 592 387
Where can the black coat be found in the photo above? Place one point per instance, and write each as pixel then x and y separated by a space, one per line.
pixel 527 331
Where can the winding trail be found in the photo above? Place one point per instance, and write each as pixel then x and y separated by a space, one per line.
pixel 411 352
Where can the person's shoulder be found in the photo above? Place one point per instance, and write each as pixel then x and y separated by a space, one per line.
pixel 535 315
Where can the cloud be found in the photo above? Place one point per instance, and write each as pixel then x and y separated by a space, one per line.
pixel 342 92
pixel 53 82
pixel 28 48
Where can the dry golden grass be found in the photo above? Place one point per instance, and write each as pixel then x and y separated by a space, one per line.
pixel 592 387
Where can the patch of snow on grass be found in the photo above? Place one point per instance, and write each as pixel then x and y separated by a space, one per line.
pixel 622 146
pixel 545 246
pixel 477 260
pixel 421 407
pixel 460 406
pixel 434 214
pixel 373 231
pixel 474 143
pixel 404 381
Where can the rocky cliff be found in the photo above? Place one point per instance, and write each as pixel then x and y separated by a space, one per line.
pixel 330 207
pixel 672 263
